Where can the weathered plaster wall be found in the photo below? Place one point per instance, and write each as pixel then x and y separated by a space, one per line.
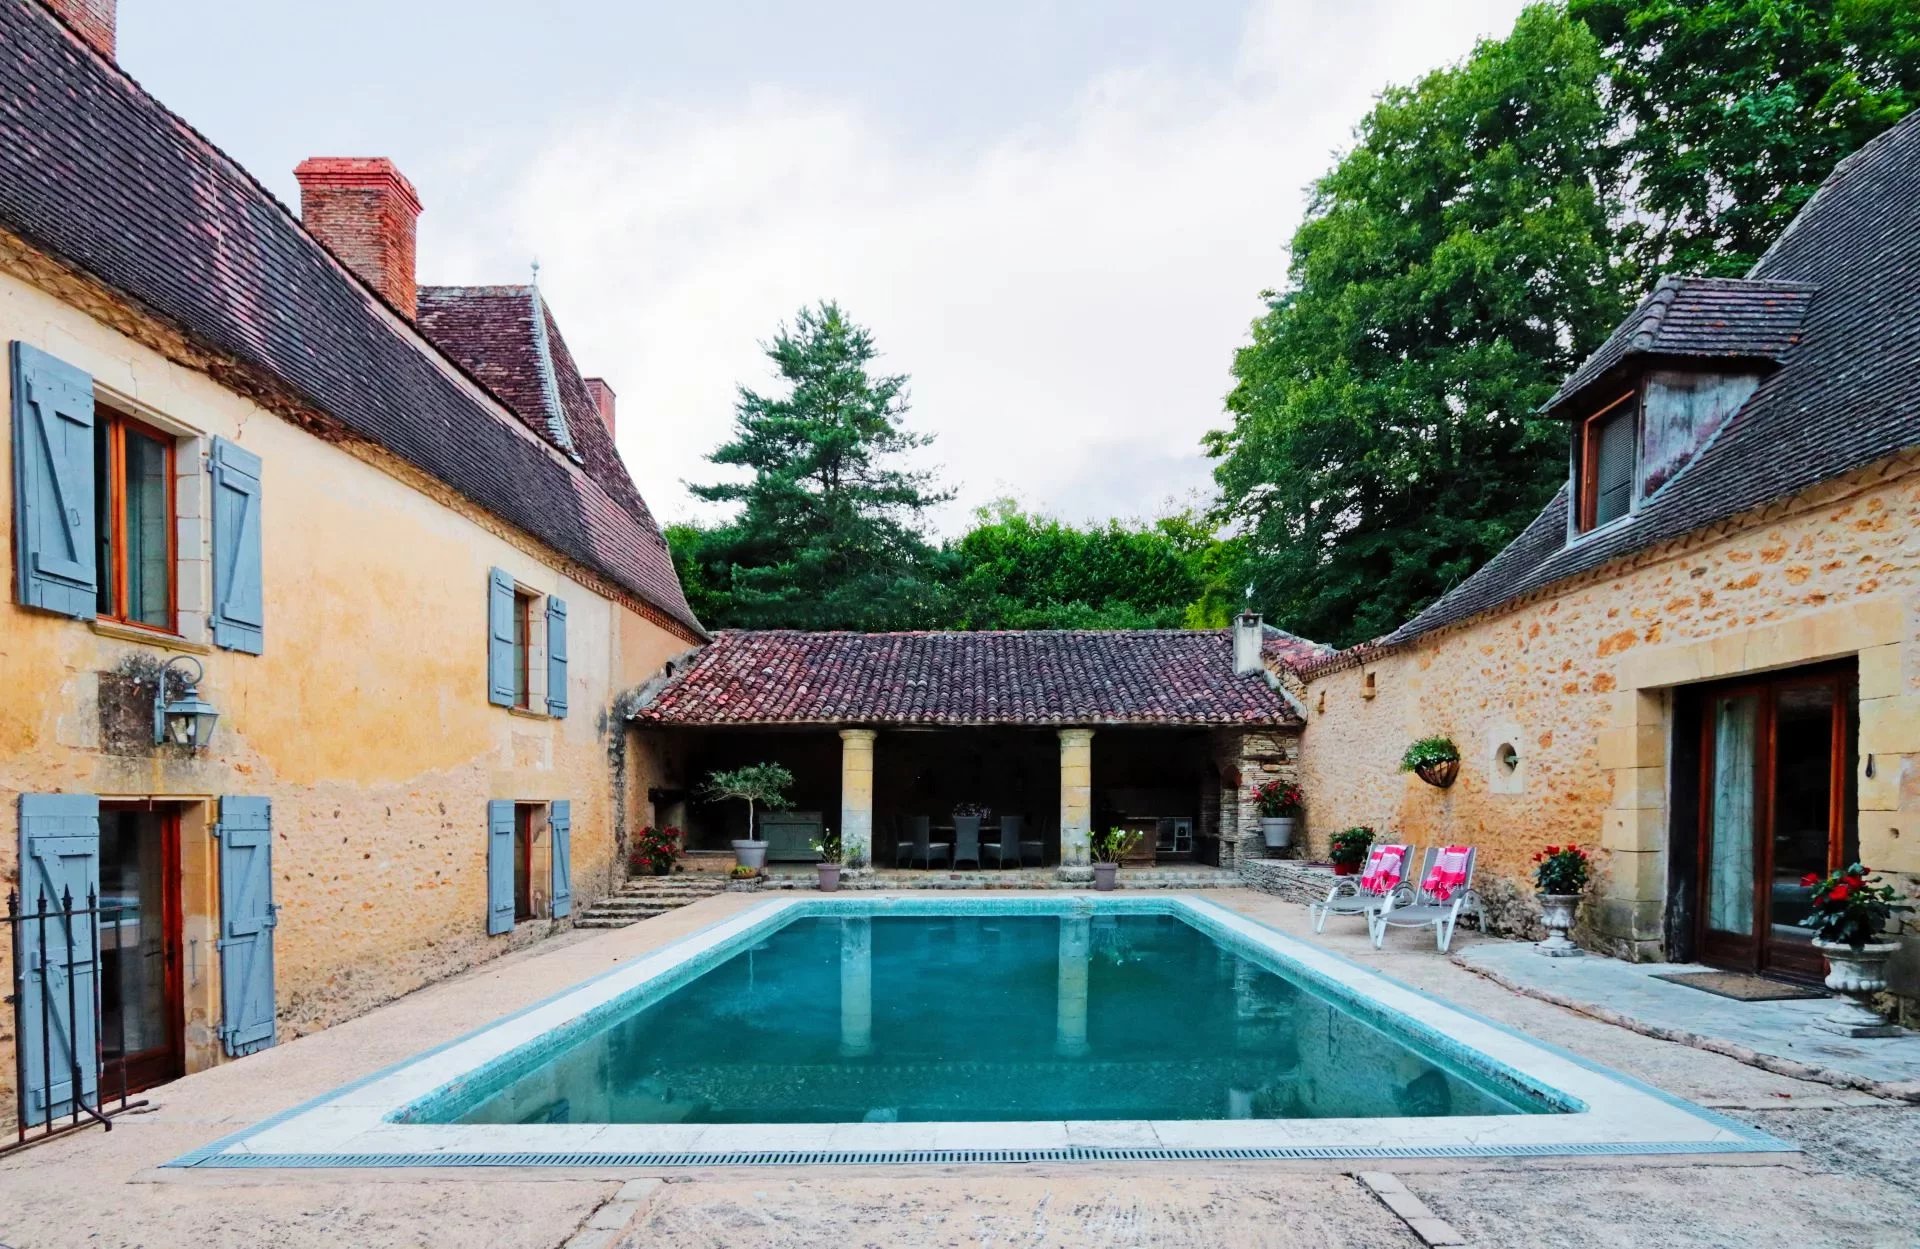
pixel 366 720
pixel 1579 682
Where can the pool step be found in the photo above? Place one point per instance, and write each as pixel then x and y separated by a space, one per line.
pixel 643 897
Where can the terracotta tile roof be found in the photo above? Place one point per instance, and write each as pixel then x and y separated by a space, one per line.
pixel 97 173
pixel 1039 677
pixel 1290 650
pixel 1846 395
pixel 1700 318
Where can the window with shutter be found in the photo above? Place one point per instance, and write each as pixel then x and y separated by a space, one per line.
pixel 54 516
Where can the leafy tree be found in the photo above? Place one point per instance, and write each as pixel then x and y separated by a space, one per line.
pixel 827 536
pixel 1730 113
pixel 1020 570
pixel 1452 268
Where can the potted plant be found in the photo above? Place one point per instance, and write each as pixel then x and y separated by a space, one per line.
pixel 1435 760
pixel 1109 848
pixel 1280 803
pixel 828 848
pixel 1350 846
pixel 743 878
pixel 757 785
pixel 1851 911
pixel 1560 874
pixel 653 851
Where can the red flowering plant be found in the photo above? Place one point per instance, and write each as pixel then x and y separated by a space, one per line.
pixel 1849 908
pixel 1278 799
pixel 1562 870
pixel 654 850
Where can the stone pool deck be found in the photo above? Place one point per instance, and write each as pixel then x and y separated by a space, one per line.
pixel 1858 1184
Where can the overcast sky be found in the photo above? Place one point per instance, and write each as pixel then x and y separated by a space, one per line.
pixel 1056 217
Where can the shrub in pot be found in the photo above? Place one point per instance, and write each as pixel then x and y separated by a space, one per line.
pixel 1851 910
pixel 1560 873
pixel 1109 848
pixel 1280 804
pixel 757 785
pixel 654 851
pixel 828 848
pixel 1435 760
pixel 1350 846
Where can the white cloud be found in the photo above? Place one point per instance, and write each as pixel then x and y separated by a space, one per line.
pixel 1066 297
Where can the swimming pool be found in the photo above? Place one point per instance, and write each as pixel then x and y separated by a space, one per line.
pixel 876 1029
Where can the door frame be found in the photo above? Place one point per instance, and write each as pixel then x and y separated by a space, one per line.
pixel 131 1073
pixel 1760 953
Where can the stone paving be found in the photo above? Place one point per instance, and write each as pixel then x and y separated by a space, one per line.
pixel 1629 993
pixel 1856 1185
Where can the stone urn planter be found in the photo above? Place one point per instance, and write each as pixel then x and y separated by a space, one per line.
pixel 829 878
pixel 1557 912
pixel 750 853
pixel 1105 877
pixel 1277 831
pixel 1856 973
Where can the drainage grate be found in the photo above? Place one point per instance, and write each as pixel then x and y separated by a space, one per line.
pixel 943 1157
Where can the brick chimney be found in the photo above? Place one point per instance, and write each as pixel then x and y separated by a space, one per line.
pixel 365 210
pixel 92 20
pixel 602 399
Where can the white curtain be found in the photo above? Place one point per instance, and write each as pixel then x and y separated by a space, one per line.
pixel 1730 848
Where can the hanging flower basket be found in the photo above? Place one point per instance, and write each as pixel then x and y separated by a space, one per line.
pixel 1435 760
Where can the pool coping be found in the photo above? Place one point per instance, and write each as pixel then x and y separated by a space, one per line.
pixel 353 1126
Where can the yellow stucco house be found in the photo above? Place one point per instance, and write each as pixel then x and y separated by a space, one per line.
pixel 380 531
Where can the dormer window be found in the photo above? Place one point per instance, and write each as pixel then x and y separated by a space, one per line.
pixel 1607 463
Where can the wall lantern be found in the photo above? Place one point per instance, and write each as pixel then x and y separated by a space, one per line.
pixel 187 720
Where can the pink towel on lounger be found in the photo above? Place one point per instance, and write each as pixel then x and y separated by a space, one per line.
pixel 1386 867
pixel 1448 874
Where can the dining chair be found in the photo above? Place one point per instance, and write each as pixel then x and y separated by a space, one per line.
pixel 1010 847
pixel 921 846
pixel 966 840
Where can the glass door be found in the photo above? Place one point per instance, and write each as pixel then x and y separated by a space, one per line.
pixel 1775 805
pixel 140 1016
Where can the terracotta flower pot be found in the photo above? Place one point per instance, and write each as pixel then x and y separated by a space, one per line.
pixel 829 878
pixel 750 853
pixel 1345 869
pixel 1277 830
pixel 1106 876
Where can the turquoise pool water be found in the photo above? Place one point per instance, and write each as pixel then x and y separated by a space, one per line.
pixel 836 1019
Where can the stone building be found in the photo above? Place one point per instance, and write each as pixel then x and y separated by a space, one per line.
pixel 381 531
pixel 1704 655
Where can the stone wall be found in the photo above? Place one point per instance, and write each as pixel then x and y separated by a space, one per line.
pixel 1245 760
pixel 1578 681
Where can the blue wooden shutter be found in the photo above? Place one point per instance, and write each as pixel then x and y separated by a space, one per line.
pixel 238 614
pixel 499 867
pixel 500 674
pixel 247 920
pixel 58 1028
pixel 556 657
pixel 560 825
pixel 53 486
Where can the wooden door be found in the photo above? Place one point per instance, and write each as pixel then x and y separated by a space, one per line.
pixel 1775 804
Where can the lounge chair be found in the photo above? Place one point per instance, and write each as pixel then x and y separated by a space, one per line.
pixel 922 846
pixel 1010 848
pixel 1445 892
pixel 966 840
pixel 1369 893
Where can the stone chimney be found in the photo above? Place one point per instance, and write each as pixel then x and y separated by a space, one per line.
pixel 1248 635
pixel 92 20
pixel 602 399
pixel 365 210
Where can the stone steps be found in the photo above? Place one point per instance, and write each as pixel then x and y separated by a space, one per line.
pixel 643 897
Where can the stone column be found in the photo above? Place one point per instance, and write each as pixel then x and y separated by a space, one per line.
pixel 856 986
pixel 856 798
pixel 1070 994
pixel 1076 804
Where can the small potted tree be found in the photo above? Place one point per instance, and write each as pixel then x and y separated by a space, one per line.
pixel 1350 846
pixel 757 785
pixel 1435 760
pixel 1851 912
pixel 1560 874
pixel 654 851
pixel 1109 848
pixel 828 848
pixel 1280 803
